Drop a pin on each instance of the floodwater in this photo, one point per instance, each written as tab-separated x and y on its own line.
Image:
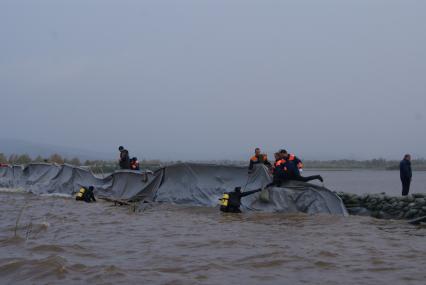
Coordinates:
370	181
61	241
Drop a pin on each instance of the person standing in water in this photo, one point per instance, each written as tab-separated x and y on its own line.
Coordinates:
405	174
86	194
231	201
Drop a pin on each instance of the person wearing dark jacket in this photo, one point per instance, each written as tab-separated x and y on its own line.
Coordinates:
405	174
124	160
86	194
231	201
259	158
277	163
291	157
289	170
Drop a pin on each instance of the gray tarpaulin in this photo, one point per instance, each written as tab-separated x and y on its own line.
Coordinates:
203	184
185	183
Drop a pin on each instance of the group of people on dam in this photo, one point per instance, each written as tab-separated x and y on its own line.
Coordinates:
286	166
125	161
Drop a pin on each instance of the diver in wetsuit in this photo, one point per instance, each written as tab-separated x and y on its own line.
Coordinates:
231	201
86	195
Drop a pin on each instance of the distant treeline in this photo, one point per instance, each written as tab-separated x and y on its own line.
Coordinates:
25	159
97	166
417	164
110	166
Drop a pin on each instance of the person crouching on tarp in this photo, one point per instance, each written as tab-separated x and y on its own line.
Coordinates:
231	201
85	194
134	163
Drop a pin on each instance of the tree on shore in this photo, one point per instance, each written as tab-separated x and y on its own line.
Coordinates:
75	161
3	158
56	158
13	158
39	158
19	159
23	159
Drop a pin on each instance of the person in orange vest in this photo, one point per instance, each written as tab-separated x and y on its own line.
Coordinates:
278	161
134	163
257	158
291	157
288	168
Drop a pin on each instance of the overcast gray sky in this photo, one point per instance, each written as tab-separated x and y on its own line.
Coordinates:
213	79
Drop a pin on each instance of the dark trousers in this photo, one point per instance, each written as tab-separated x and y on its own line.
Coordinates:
405	186
279	178
307	178
230	209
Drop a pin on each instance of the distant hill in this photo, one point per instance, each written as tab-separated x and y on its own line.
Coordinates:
13	146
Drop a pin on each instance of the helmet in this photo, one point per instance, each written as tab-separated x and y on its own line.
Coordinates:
120	148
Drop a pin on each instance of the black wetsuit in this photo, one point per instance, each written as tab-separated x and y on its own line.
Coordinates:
405	175
234	201
124	159
88	196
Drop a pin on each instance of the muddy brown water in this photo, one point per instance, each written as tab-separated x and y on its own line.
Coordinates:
61	241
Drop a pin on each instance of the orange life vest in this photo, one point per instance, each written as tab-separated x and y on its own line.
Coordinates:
256	159
279	162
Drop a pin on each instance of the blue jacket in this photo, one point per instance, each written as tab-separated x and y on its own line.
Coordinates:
405	169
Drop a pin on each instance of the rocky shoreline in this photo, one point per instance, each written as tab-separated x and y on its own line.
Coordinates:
383	206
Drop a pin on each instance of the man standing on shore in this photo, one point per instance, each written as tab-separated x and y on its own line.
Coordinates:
405	174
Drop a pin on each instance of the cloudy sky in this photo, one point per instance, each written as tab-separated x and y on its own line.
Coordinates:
214	79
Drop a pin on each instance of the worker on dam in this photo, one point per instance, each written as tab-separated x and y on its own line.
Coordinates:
277	163
124	160
134	163
291	157
287	168
259	158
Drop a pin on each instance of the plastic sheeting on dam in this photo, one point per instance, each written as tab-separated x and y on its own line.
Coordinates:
186	183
